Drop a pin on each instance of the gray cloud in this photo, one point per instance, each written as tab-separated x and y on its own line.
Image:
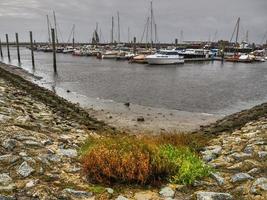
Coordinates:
197	19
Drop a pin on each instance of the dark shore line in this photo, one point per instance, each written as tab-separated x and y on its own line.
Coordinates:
58	104
69	110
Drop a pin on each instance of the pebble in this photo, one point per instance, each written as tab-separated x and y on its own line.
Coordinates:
241	177
9	144
218	178
121	198
25	169
213	196
258	185
167	192
71	153
78	193
5	179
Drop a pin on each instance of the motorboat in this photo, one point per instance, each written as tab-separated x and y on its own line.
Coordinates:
68	49
195	53
165	57
110	55
245	58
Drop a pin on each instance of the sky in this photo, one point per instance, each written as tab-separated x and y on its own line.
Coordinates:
197	19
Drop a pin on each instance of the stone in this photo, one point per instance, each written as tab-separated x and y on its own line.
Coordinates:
213	196
240	156
208	156
53	158
262	154
260	184
5	179
78	193
254	171
248	149
121	198
31	183
71	153
110	190
3	197
140	119
216	149
218	178
47	142
32	143
9	144
167	192
241	177
25	169
9	158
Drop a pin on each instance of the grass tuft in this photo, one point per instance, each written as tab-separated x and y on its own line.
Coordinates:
131	160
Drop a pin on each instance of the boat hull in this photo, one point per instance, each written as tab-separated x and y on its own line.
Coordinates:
164	61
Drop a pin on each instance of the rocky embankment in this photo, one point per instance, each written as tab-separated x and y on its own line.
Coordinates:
40	137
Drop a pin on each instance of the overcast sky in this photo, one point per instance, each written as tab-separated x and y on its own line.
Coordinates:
199	19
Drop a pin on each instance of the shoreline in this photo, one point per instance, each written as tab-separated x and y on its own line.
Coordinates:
125	118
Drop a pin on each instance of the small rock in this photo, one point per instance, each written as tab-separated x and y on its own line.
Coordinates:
218	178
5	179
259	185
241	177
140	119
47	142
249	149
23	154
213	196
71	153
167	192
25	169
208	156
9	158
32	143
262	154
31	183
127	104
9	144
2	197
216	149
240	156
121	198
110	190
254	171
147	195
77	193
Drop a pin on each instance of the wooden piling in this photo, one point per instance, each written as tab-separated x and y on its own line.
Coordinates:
54	50
17	44
1	52
32	53
134	45
7	46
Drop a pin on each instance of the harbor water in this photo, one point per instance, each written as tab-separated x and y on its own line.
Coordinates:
203	87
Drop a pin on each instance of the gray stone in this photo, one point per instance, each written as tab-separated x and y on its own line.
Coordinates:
9	158
5	179
25	169
77	193
31	183
218	178
216	149
47	142
208	156
259	185
121	198
71	153
167	192
240	156
213	196
262	154
241	177
3	197
32	143
249	149
254	171
53	158
9	144
110	190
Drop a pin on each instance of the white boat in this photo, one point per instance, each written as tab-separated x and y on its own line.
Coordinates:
195	53
110	55
68	49
165	57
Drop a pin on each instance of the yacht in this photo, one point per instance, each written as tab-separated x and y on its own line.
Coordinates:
195	53
68	49
165	57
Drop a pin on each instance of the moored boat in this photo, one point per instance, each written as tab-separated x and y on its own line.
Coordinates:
165	57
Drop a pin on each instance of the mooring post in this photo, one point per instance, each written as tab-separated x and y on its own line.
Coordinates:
54	50
17	43
1	52
7	46
32	53
134	45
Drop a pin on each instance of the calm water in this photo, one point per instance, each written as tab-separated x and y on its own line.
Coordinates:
209	87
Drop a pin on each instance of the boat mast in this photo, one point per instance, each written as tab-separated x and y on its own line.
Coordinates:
73	36
48	27
119	30
55	21
151	23
128	34
112	29
237	30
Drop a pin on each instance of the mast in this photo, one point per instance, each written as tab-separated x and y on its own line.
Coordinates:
128	34
237	30
119	31
48	28
147	30
55	21
247	36
73	36
112	29
151	23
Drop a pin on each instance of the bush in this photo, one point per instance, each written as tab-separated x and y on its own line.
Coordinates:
132	160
